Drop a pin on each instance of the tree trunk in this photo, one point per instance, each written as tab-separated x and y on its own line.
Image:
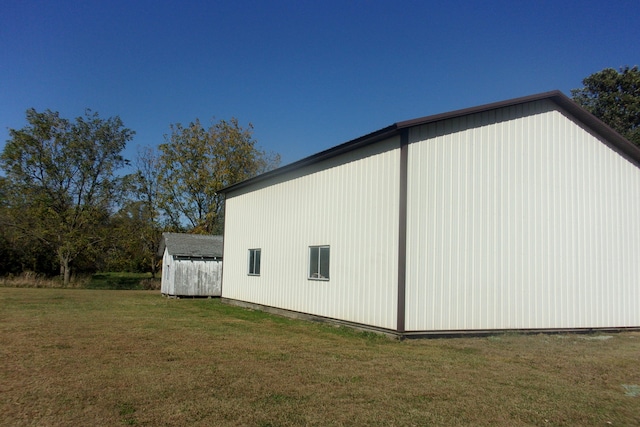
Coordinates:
65	270
67	276
154	267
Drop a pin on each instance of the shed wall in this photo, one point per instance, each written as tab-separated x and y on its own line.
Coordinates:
191	277
197	277
520	218
349	203
167	284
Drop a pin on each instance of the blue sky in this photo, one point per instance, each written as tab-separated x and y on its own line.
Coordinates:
308	74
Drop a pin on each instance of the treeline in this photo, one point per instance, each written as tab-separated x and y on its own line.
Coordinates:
66	207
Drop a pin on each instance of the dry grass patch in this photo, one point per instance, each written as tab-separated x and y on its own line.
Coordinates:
29	279
87	357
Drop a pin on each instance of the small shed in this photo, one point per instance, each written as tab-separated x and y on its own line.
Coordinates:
191	265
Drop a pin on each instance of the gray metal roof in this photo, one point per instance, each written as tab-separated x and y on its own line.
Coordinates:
191	245
611	137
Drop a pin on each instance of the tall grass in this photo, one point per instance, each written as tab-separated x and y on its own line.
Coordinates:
109	280
29	279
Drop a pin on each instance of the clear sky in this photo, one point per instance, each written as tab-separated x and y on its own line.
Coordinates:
309	75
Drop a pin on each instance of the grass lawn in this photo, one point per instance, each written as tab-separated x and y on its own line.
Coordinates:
74	357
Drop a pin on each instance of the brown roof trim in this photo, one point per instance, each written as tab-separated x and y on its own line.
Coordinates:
479	109
614	139
618	142
371	138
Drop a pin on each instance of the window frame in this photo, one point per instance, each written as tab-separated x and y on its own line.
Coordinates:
317	275
251	266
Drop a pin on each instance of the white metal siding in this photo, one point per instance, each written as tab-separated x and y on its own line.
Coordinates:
349	203
520	218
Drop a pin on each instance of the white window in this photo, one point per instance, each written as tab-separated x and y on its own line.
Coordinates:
254	262
319	262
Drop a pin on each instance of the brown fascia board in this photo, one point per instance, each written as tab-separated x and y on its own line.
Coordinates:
376	136
614	139
478	109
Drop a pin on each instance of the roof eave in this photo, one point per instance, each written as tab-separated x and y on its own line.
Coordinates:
478	109
624	146
370	138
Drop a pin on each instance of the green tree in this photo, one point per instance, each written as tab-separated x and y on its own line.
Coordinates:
137	224
134	246
614	97
62	180
195	163
19	251
146	185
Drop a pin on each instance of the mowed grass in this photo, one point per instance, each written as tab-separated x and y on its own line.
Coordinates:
75	357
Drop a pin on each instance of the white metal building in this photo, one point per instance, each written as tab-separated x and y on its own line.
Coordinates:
517	215
191	265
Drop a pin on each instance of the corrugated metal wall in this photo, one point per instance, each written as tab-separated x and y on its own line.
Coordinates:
519	218
349	203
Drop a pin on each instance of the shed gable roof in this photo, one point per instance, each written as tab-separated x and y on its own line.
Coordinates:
614	139
191	245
